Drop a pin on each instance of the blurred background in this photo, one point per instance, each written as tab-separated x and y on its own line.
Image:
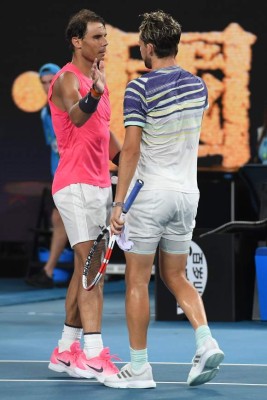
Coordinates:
229	39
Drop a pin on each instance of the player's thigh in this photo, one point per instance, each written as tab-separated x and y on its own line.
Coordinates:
172	265
138	268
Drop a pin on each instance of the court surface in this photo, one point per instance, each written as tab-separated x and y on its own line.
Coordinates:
31	323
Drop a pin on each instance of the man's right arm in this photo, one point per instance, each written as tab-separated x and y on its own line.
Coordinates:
67	97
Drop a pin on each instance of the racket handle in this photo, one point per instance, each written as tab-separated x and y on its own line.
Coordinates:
134	192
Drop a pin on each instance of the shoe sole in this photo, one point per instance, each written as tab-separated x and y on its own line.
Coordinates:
214	360
204	377
209	368
84	373
61	368
131	385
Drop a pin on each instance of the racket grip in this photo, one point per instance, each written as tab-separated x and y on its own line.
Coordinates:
134	192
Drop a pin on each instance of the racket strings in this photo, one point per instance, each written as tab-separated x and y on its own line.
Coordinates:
95	260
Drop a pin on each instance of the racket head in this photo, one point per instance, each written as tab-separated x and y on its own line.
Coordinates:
100	253
97	259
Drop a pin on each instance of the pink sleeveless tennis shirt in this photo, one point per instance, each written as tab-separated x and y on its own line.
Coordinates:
84	151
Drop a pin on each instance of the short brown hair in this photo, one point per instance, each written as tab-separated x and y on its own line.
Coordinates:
161	30
77	25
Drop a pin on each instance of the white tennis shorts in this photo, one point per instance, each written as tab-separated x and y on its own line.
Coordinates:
162	217
83	209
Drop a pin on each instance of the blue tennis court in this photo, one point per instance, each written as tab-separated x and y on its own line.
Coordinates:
32	321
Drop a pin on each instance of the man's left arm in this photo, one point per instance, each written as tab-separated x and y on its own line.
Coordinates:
114	149
128	162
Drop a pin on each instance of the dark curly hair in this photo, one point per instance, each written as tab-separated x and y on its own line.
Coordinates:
161	30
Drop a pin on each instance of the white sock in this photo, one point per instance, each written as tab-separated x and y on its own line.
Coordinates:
93	344
138	358
70	334
202	333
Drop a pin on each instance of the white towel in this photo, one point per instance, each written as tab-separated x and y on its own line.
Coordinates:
122	239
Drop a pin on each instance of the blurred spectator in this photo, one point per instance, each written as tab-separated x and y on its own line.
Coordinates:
262	139
44	278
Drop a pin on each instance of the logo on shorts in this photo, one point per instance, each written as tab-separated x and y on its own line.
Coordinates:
196	270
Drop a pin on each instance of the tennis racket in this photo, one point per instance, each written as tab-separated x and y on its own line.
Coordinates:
99	254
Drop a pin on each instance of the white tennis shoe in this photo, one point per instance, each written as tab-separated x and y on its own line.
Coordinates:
205	363
129	379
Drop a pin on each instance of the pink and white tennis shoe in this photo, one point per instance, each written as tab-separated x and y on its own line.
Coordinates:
66	360
97	367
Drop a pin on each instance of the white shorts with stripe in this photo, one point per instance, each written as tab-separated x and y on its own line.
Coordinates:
83	209
162	217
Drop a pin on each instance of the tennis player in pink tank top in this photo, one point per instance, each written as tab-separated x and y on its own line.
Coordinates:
80	108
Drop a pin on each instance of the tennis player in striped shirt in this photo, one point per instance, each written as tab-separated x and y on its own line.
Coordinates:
163	111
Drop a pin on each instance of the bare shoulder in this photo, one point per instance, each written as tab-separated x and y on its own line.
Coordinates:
66	90
67	80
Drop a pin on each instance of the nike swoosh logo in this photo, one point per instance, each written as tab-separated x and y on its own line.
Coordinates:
95	369
66	363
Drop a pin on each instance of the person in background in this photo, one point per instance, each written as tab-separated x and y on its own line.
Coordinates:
59	240
262	139
80	108
163	111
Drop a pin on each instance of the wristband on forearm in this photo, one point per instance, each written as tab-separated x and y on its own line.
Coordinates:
88	104
116	159
117	204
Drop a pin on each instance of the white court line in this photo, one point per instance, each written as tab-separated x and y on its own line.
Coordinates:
92	381
151	362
